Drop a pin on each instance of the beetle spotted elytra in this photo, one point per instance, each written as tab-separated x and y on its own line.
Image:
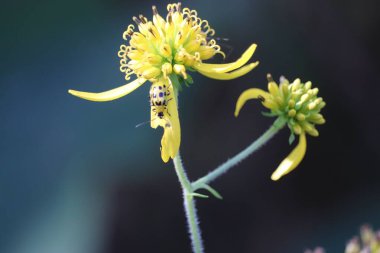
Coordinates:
158	96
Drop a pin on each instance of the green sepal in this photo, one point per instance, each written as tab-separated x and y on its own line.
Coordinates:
191	69
182	80
292	137
175	81
189	80
268	114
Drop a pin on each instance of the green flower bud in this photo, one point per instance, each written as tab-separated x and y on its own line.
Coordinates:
298	103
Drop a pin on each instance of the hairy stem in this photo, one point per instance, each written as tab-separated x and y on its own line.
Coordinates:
257	144
189	204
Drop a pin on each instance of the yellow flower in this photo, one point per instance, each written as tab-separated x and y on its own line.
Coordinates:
298	105
163	51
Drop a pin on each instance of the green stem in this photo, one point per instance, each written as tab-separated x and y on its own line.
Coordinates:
277	125
189	204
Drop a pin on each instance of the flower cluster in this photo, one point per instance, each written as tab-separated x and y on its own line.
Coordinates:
295	103
163	51
175	45
165	46
368	242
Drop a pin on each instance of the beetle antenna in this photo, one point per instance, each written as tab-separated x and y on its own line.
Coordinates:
144	123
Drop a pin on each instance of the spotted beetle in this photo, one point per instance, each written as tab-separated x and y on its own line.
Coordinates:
158	96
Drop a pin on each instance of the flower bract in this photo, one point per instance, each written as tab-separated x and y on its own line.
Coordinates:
163	51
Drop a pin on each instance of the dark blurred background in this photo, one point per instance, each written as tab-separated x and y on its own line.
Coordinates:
78	177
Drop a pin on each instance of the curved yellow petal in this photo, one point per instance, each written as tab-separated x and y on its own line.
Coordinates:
111	94
231	75
207	67
293	159
252	93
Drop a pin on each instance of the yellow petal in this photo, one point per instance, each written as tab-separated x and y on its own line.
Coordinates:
111	94
206	67
247	95
154	120
170	142
232	75
292	161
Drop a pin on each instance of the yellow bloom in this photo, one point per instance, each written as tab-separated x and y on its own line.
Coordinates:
162	52
298	104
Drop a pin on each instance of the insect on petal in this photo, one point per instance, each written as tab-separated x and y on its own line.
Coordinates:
168	120
252	93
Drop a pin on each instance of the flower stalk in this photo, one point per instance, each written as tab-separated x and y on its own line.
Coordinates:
253	147
189	204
